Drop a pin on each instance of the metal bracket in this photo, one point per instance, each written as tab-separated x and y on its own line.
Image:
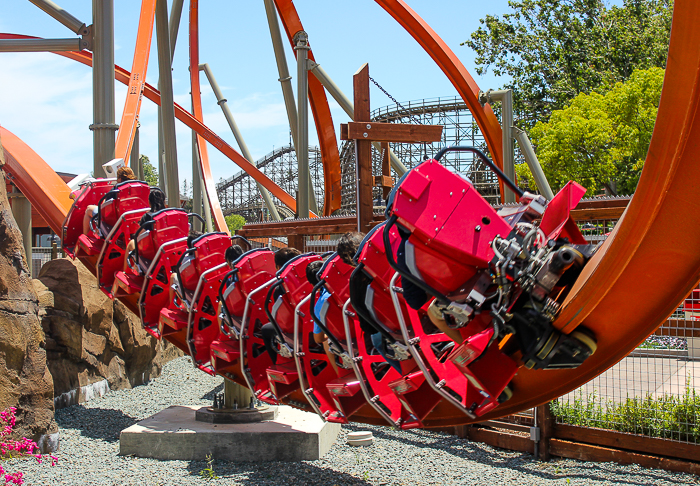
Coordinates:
86	38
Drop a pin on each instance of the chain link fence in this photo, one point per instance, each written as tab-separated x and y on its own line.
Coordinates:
654	390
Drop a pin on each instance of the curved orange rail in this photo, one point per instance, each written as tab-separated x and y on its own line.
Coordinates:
47	192
137	81
637	278
209	185
455	71
650	262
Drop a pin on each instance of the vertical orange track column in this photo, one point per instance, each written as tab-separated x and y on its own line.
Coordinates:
209	186
137	81
214	139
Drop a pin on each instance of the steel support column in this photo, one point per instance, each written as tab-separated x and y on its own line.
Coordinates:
505	96
135	161
206	208
104	126
301	40
286	82
233	392
221	101
22	212
172	184
533	163
173	28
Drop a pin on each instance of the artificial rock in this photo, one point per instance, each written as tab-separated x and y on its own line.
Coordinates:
93	343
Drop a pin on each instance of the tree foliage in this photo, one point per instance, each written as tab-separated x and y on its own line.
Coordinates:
600	140
149	171
555	49
234	222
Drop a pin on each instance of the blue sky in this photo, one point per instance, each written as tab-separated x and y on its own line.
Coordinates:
47	100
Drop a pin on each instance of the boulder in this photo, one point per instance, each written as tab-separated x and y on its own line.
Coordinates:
25	381
93	344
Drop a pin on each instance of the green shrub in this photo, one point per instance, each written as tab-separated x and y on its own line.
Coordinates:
667	416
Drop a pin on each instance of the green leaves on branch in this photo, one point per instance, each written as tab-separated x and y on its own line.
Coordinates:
601	140
555	49
234	222
150	174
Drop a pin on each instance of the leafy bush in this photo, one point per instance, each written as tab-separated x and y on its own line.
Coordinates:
667	416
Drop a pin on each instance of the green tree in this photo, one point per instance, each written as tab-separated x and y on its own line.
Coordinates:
149	171
600	140
234	222
555	49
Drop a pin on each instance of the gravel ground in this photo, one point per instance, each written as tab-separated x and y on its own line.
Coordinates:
90	447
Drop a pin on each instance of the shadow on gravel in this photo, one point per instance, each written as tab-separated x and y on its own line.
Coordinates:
276	473
524	463
96	423
210	395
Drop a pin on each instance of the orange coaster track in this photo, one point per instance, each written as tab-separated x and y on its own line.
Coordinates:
635	281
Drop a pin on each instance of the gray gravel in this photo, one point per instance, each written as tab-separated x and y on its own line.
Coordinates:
90	447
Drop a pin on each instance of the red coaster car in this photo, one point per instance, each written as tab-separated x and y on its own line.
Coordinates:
281	303
164	227
400	390
495	278
191	323
252	270
336	396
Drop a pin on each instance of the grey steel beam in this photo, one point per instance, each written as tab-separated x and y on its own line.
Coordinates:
196	184
533	163
284	78
172	183
173	28
104	126
135	160
286	82
174	24
505	96
349	109
41	45
62	16
221	101
301	42
22	212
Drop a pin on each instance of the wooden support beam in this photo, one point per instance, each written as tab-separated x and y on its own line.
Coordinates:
310	227
500	439
386	170
590	214
391	132
363	152
296	241
384	181
587	452
631	442
545	421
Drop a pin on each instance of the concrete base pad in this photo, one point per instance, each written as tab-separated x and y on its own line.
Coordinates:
174	434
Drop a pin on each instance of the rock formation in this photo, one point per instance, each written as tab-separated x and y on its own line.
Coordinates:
91	339
25	381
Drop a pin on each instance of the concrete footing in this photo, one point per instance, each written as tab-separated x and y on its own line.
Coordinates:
174	434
